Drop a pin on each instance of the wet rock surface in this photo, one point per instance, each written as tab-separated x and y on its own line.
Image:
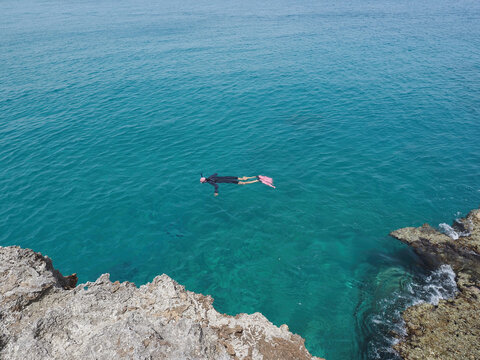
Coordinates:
450	330
43	315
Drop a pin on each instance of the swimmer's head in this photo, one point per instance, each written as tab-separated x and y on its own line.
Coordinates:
202	179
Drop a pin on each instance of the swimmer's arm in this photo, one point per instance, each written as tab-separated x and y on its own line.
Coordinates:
216	188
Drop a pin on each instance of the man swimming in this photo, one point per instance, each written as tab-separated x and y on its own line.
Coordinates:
215	179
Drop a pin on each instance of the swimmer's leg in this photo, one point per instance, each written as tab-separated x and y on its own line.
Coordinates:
246	177
247	182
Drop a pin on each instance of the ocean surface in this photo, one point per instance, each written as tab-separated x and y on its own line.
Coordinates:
365	113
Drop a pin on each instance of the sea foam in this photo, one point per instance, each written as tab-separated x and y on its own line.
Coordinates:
451	232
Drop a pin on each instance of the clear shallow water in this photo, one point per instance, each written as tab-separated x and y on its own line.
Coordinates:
366	114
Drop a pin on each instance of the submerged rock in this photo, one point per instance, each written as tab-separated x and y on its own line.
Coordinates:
451	329
44	316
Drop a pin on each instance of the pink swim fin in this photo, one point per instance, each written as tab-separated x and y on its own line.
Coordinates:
266	180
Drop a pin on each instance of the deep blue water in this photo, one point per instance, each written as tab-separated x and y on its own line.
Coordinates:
366	114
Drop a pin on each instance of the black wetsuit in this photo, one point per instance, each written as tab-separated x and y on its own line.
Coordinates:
214	180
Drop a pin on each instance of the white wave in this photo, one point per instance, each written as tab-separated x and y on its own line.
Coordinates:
452	233
440	284
449	231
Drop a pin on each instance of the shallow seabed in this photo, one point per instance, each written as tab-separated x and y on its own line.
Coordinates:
366	114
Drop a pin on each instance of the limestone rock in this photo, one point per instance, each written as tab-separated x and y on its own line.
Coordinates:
450	330
436	248
42	317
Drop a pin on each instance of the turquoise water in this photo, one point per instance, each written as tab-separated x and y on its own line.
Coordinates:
366	114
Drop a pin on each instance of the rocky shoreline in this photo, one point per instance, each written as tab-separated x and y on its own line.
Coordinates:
451	329
44	315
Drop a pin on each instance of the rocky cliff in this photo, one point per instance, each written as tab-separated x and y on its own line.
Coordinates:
44	315
450	330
